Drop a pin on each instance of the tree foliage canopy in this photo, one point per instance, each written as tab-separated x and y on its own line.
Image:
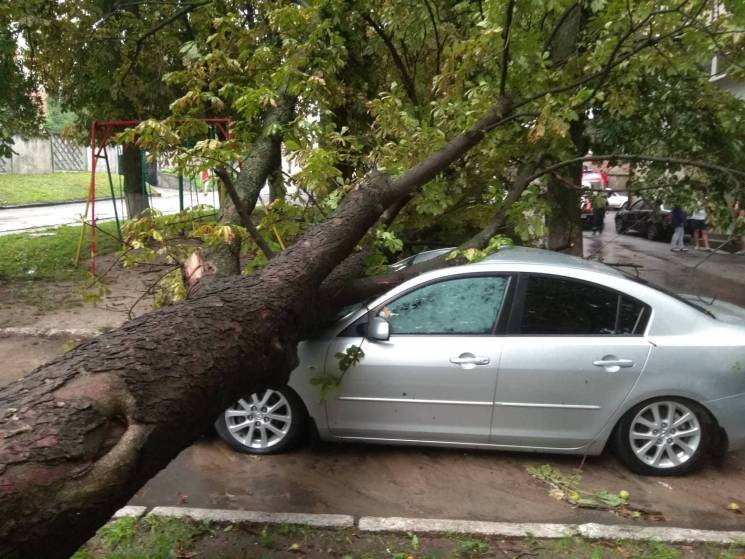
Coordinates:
19	100
375	85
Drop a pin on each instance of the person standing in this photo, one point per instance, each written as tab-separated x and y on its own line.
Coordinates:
599	205
700	234
740	226
679	221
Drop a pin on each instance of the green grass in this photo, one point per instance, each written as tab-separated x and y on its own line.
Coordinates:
49	255
52	187
164	538
151	538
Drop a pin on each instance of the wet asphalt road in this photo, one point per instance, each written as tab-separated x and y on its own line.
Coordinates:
442	483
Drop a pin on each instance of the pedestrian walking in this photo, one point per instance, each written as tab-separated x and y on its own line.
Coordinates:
698	227
599	205
740	226
679	221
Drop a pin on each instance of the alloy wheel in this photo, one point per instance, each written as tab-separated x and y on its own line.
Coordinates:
665	434
260	421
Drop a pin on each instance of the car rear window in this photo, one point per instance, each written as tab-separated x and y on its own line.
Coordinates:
561	306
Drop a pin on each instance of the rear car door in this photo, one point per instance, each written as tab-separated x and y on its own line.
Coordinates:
572	353
434	379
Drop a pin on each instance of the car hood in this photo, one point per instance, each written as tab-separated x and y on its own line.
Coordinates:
722	310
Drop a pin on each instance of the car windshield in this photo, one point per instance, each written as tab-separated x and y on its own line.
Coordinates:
672	294
349	309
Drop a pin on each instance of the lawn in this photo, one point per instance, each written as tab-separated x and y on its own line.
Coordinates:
49	254
17	190
156	537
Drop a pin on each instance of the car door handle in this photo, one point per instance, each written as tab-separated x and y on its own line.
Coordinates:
623	363
473	360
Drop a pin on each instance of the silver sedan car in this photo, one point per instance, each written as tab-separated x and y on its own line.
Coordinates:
527	350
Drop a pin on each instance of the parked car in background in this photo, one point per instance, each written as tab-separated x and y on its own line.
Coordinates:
526	350
642	217
616	200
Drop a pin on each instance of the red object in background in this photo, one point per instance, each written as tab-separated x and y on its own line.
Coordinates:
604	178
98	151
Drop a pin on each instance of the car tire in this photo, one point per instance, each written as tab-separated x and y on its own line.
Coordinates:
620	228
652	232
664	437
270	421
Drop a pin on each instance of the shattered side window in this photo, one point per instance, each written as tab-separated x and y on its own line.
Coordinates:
467	305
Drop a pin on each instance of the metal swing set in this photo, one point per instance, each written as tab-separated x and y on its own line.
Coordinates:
101	134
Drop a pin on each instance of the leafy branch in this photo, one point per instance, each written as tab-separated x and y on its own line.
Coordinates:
346	359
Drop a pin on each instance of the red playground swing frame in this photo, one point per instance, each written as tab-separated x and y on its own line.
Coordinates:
98	151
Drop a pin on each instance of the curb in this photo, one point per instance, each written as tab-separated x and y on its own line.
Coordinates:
49	204
505	529
218	515
82	333
590	531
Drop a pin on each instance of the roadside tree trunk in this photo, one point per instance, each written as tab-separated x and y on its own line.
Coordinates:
564	224
264	161
134	195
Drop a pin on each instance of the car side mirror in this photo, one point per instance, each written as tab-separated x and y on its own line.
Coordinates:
378	329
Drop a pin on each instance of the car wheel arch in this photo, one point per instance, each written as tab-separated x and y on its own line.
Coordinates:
631	404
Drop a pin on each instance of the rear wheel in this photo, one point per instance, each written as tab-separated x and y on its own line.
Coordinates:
664	437
620	228
266	422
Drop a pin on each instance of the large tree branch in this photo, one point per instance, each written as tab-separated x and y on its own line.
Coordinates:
604	71
178	14
635	28
397	61
438	45
506	37
637	157
366	287
243	212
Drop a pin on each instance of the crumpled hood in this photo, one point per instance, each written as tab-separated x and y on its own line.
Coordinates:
722	310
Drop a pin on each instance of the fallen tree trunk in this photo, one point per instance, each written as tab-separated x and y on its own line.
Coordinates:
80	435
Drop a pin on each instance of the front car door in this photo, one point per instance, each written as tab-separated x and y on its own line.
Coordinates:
434	379
572	353
639	216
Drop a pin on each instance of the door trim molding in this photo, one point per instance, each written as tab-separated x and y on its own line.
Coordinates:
560	406
413	401
469	403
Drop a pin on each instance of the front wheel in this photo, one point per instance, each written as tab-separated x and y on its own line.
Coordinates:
664	437
266	422
652	232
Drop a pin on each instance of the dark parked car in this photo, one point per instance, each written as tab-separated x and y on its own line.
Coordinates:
653	221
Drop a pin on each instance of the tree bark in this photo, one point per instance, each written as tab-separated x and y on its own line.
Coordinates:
564	224
134	191
264	160
80	435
